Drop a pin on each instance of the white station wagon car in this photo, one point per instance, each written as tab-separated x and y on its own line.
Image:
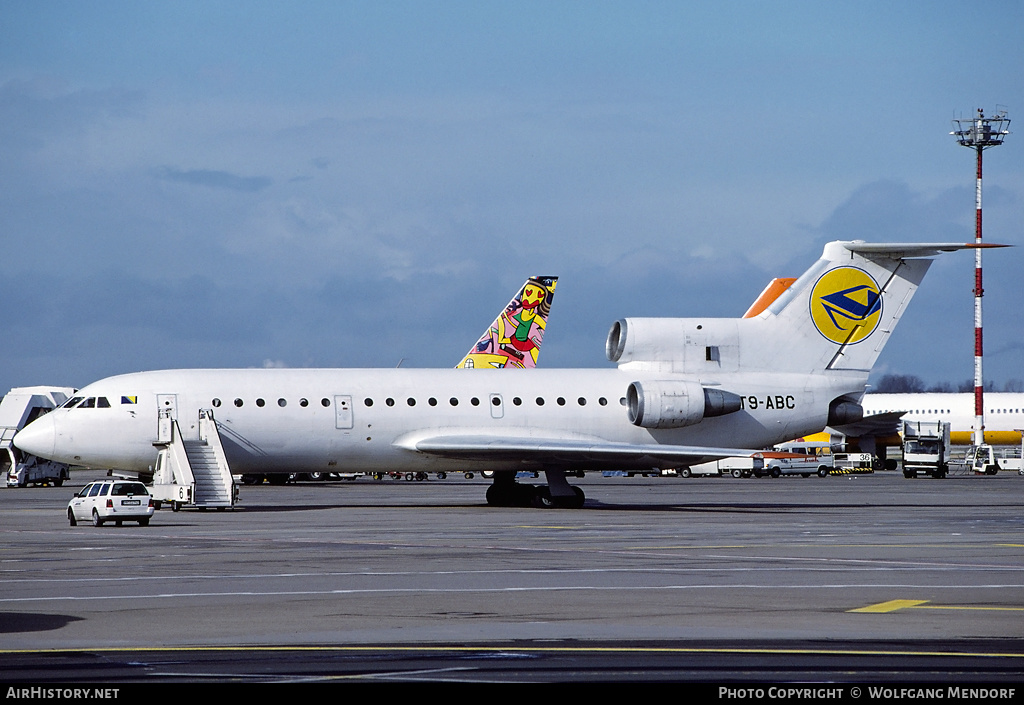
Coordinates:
111	500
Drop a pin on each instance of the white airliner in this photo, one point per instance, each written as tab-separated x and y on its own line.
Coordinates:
685	391
1004	413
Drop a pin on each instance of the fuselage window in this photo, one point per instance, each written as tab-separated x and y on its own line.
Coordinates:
561	401
368	401
216	402
260	403
602	401
496	401
540	401
517	401
410	401
325	402
303	402
238	402
432	401
389	401
581	401
282	402
453	401
474	401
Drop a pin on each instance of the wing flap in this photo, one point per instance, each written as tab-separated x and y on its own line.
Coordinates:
569	452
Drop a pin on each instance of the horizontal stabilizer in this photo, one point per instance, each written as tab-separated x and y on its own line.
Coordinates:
886	424
901	250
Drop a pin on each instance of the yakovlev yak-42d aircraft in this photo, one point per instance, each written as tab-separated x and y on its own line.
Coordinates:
685	391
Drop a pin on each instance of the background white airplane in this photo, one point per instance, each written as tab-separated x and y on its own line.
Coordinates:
1004	413
685	391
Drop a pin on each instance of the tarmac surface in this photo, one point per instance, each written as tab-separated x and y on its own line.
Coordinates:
845	578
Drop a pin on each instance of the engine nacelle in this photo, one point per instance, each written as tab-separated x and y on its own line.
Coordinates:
676	403
844	411
692	345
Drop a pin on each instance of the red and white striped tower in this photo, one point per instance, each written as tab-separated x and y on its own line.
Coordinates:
979	133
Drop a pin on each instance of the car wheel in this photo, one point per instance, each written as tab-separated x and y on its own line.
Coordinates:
685	472
144	521
71	518
822	471
776	473
96	521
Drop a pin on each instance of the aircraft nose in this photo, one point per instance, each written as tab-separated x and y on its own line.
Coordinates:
37	438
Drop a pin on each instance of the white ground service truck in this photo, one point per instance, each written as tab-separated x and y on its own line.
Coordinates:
20	407
736	467
925	448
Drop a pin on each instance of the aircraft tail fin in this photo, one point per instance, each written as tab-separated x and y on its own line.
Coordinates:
837	316
513	339
841	312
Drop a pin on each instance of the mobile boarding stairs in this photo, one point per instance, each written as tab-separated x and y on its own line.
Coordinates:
192	472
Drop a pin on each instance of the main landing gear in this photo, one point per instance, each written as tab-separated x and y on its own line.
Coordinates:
506	492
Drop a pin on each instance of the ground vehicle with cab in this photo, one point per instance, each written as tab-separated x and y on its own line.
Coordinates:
111	500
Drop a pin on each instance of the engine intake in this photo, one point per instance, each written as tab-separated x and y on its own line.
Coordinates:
674	404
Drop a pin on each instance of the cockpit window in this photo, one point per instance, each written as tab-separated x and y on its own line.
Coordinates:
102	403
71	403
89	403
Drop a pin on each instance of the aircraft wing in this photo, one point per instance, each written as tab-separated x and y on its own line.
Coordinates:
887	424
560	451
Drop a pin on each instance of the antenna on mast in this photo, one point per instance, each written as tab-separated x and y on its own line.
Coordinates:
979	133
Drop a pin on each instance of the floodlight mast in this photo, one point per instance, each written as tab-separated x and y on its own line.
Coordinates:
979	133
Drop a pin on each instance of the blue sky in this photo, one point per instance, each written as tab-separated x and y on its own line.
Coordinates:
242	184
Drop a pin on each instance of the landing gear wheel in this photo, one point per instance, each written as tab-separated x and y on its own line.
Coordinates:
510	494
543	499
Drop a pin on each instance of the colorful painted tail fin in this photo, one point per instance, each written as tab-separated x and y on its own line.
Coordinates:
514	338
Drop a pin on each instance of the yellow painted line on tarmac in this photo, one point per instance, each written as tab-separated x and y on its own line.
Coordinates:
512	648
969	607
890	606
895	605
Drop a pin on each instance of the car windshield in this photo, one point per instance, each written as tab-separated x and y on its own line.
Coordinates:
125	488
